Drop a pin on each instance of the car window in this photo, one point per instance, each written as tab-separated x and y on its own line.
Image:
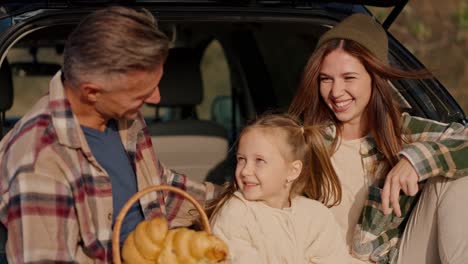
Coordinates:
215	77
217	100
31	69
285	51
34	60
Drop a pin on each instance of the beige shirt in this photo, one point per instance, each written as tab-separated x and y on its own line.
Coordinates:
347	162
256	233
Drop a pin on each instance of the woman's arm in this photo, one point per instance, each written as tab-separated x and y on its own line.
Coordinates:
436	149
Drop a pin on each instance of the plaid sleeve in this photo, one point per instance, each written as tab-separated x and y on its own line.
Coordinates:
436	148
181	212
376	236
40	218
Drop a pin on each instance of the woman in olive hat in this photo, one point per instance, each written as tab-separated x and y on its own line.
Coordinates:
383	156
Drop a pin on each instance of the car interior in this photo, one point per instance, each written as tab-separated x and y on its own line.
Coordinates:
222	70
183	141
217	76
205	91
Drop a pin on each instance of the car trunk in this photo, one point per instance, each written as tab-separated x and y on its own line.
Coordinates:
427	98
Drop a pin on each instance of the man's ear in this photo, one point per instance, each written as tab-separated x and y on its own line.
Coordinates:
296	168
90	92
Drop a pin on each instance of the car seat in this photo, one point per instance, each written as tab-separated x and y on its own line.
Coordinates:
185	143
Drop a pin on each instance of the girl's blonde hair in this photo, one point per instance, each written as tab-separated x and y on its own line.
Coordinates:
317	179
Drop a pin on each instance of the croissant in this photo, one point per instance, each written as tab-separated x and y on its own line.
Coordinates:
152	242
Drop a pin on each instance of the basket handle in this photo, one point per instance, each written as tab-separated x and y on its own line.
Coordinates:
135	198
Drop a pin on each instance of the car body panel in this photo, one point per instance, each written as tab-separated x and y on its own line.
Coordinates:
12	7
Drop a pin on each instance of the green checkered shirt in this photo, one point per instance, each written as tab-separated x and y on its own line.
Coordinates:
437	149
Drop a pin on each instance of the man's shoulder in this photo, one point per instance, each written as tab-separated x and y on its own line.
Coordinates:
31	141
31	133
35	122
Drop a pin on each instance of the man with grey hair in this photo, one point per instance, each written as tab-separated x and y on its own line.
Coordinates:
70	164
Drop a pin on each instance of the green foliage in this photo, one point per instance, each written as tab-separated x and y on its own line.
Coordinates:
379	12
461	15
419	30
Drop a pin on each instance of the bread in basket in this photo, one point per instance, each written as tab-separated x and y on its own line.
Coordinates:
153	242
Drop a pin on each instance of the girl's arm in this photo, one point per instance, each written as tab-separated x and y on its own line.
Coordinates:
231	225
327	246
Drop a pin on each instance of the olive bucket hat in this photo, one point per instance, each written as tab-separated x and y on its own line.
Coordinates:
362	29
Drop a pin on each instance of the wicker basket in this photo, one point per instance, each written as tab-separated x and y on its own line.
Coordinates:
120	217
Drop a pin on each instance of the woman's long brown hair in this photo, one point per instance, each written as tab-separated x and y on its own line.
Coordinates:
383	112
317	179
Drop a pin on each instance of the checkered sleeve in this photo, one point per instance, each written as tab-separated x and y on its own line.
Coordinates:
40	218
180	212
376	236
436	148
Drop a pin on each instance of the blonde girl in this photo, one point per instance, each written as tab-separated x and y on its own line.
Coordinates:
273	211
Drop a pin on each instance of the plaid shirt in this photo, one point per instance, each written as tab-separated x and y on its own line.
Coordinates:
437	149
56	200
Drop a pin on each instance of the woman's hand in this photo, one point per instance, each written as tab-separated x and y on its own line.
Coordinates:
401	177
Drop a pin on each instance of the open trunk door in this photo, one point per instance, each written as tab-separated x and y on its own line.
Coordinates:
12	7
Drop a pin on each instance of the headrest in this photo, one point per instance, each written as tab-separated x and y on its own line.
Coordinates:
181	84
6	87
